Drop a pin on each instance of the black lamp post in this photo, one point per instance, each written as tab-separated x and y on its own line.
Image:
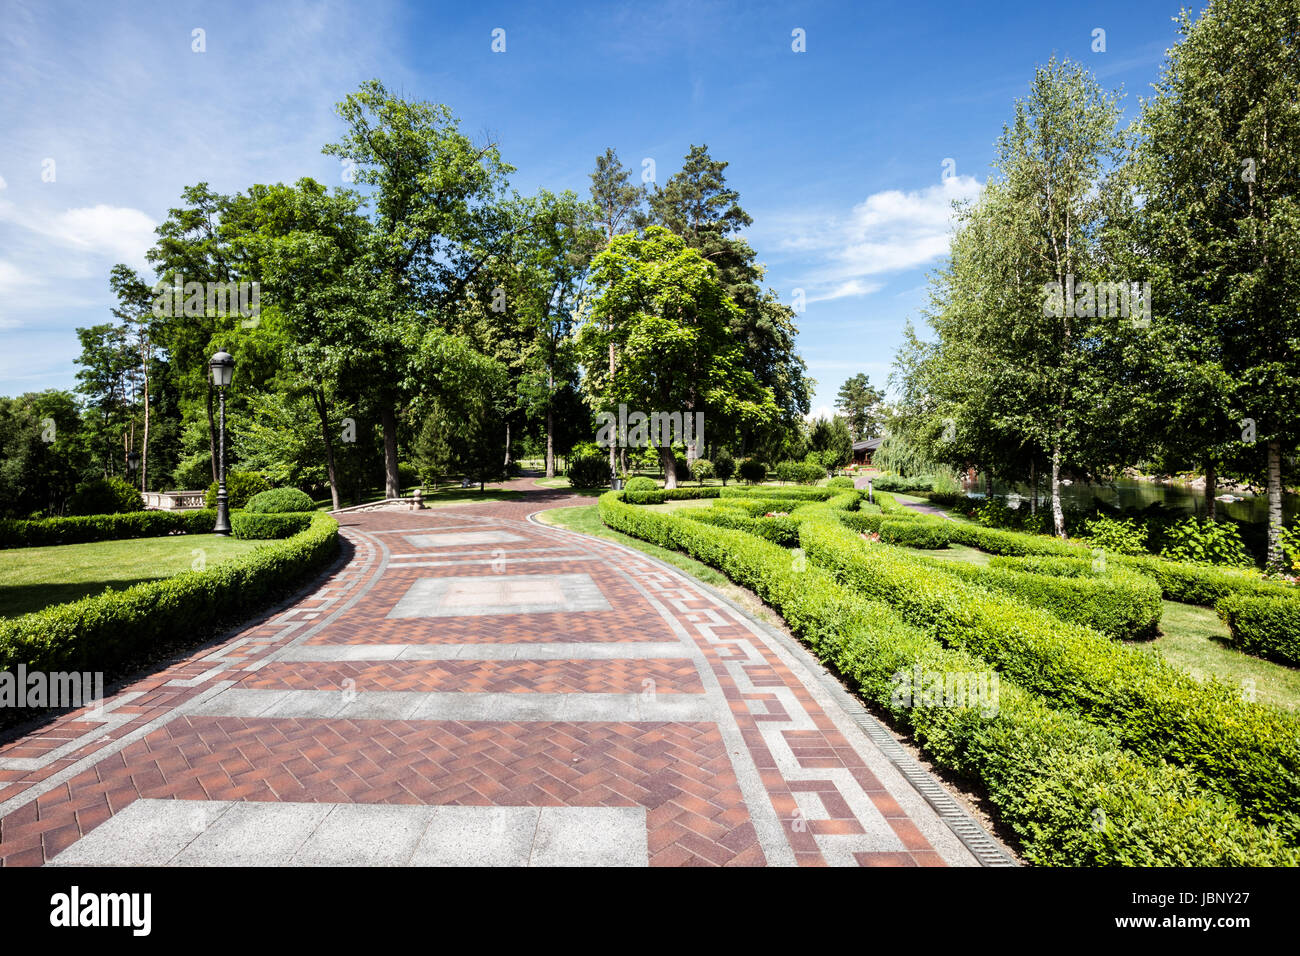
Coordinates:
222	367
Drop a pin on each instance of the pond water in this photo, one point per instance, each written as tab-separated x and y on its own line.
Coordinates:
1129	493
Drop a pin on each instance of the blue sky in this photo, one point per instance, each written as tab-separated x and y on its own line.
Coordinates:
837	152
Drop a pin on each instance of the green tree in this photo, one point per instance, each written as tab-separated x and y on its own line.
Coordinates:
1218	169
665	308
858	402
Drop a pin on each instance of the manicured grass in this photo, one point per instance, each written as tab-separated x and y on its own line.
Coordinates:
586	519
34	578
959	552
1193	638
559	481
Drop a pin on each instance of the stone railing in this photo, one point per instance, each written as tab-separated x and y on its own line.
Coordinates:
174	500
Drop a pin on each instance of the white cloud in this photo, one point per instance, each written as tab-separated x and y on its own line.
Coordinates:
889	231
3	184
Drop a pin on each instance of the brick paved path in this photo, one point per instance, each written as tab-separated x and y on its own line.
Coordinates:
473	687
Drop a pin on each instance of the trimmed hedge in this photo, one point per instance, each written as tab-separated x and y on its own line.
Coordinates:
1117	602
1205	584
251	524
46	532
660	495
1246	751
914	534
103	631
641	483
782	531
280	501
1266	625
1050	774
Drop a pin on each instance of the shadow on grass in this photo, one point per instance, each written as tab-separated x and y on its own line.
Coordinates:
19	599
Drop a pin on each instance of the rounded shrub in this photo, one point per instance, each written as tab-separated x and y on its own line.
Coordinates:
588	471
641	483
753	471
280	501
105	496
701	469
240	486
841	482
724	466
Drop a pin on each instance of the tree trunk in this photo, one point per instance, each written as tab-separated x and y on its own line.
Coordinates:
550	443
507	462
1058	516
1275	560
1211	486
1033	487
392	481
318	396
670	467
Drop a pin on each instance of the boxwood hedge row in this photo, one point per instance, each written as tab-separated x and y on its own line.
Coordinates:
100	633
1065	786
1264	624
1246	751
46	532
252	524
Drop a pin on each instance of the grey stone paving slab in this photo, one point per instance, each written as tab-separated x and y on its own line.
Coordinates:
252	702
456	539
235	833
357	834
591	836
478	836
255	834
530	651
145	833
500	594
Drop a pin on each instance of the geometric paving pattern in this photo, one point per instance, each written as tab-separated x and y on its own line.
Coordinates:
470	687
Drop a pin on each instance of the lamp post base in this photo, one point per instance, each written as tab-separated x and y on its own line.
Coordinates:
223	516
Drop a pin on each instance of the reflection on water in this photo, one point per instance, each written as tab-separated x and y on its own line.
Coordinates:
1128	493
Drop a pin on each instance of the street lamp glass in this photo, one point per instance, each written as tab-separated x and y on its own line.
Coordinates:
222	367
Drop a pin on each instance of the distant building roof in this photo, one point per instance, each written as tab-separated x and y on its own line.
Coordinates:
871	444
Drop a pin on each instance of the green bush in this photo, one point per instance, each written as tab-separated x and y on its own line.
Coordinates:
45	532
279	501
240	487
1118	536
753	471
408	476
1205	584
724	466
641	483
843	481
1268	626
1201	541
1245	751
105	631
588	471
105	496
1050	774
914	534
251	524
701	469
1117	601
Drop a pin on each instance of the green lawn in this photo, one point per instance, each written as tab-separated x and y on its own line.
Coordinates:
33	578
958	552
586	519
1192	638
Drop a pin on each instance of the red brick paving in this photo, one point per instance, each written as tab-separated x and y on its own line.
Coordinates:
681	772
